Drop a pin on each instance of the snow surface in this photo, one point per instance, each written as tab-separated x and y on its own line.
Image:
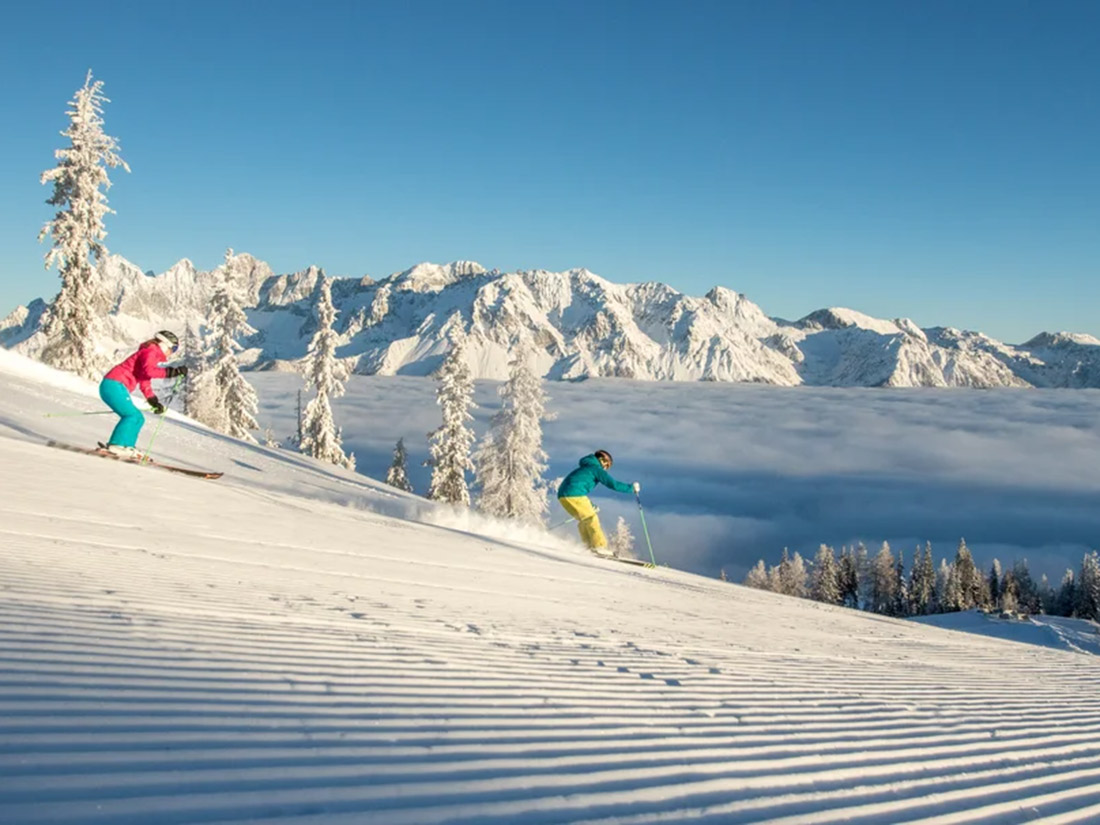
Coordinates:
1078	635
298	644
732	473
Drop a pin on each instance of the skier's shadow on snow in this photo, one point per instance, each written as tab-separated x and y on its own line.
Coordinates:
308	465
15	426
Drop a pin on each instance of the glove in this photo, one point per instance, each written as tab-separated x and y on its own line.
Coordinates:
155	405
172	372
637	487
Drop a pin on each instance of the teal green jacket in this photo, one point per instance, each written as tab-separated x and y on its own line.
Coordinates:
581	481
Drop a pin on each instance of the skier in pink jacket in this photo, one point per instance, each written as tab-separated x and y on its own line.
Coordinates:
137	371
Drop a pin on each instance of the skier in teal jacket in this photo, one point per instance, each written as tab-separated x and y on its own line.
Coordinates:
573	496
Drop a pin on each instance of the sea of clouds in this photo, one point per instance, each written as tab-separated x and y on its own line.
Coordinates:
732	473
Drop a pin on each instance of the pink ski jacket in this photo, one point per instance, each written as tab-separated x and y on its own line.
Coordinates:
140	368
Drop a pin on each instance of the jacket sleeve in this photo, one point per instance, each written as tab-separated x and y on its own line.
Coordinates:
606	480
147	367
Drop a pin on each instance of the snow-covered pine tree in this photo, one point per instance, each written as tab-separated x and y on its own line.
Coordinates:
825	578
779	573
195	388
996	576
510	461
794	577
1027	592
1088	588
1010	593
947	588
622	540
449	451
232	400
757	576
1066	601
72	326
922	582
398	473
901	597
1047	596
849	578
866	579
326	374
203	398
884	586
971	582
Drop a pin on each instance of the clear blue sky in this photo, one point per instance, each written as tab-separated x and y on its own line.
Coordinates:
938	160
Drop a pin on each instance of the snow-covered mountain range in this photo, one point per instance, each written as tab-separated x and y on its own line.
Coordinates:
581	325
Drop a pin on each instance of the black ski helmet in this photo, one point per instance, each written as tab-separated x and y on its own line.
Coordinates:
604	454
168	338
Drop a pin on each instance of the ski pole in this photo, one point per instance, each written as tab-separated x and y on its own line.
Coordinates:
153	437
563	523
560	524
645	529
76	414
70	415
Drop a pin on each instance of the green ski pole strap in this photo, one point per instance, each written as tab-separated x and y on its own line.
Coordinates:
645	530
160	423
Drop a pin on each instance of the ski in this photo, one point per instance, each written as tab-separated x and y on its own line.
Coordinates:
635	562
102	453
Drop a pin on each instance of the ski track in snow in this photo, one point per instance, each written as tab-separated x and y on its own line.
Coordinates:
181	651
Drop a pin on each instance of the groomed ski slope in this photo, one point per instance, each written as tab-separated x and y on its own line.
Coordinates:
295	644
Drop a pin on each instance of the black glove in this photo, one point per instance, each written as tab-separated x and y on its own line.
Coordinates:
172	372
155	405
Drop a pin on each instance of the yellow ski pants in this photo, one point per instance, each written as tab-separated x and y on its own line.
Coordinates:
580	508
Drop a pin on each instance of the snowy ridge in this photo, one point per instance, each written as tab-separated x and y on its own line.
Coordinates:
283	646
582	326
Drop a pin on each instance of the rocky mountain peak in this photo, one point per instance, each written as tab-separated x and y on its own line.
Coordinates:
581	324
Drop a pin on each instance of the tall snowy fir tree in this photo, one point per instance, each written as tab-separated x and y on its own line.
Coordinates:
884	586
996	577
326	374
757	576
1048	598
790	577
848	578
193	355
901	595
922	583
1010	593
777	571
866	579
825	578
969	582
449	451
1065	602
510	461
1027	591
230	404
72	326
947	588
398	473
1088	588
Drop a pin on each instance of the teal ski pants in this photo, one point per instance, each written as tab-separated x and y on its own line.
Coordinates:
131	419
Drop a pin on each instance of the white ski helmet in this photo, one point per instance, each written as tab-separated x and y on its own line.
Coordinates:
167	337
